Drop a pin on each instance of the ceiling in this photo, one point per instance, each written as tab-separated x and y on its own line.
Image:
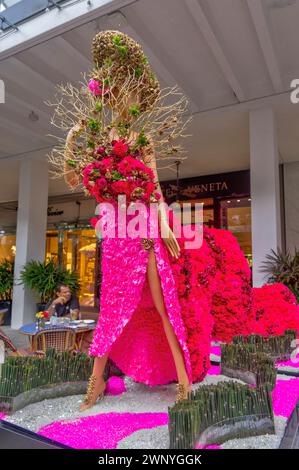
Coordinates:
228	57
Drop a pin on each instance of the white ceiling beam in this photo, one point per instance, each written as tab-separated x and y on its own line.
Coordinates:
17	110
15	70
262	27
271	100
215	47
23	132
60	56
118	20
72	52
56	22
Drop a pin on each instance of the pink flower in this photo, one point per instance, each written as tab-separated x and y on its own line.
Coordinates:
101	150
106	164
126	166
95	88
101	183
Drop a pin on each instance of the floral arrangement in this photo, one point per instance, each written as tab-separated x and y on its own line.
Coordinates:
42	315
120	95
41	318
275	309
118	169
231	301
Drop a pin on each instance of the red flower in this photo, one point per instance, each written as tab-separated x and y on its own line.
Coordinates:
120	187
120	148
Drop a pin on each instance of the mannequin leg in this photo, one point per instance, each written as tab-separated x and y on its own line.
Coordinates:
99	383
157	295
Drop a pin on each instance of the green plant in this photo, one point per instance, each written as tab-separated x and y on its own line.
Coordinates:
44	278
216	413
283	267
6	280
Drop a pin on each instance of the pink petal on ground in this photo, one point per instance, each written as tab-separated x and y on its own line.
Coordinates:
289	363
2	415
102	431
115	385
215	350
212	446
214	370
285	396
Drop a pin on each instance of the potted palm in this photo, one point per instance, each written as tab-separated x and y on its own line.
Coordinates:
284	268
6	286
45	277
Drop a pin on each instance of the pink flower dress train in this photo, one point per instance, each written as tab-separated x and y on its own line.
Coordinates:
129	327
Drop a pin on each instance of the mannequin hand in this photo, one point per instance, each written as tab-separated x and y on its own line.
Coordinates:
169	239
72	179
75	130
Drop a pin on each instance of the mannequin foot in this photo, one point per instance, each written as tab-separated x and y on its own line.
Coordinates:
95	391
183	391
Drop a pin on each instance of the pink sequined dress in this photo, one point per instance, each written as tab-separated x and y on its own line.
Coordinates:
129	327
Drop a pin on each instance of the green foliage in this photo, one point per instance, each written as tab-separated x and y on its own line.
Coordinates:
283	267
245	358
138	72
141	140
117	175
6	280
98	106
108	62
90	144
93	125
116	40
134	110
216	405
123	50
71	162
257	354
278	347
44	278
20	374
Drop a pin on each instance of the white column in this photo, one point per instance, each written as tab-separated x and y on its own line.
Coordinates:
31	233
291	189
265	189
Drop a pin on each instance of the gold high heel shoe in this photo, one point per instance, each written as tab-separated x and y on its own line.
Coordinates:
183	392
91	398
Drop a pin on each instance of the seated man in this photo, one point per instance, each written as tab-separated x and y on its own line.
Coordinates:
66	304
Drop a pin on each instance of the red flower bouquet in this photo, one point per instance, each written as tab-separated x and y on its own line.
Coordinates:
119	169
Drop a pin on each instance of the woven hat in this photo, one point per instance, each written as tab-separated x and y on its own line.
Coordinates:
117	55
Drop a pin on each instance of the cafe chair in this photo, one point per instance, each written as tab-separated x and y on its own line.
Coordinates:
12	350
61	339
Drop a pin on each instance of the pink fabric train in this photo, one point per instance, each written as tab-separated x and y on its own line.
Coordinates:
207	292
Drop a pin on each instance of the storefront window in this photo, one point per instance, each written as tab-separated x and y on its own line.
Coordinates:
76	250
7	246
207	208
235	215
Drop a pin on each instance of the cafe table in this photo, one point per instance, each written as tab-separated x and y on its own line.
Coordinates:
81	327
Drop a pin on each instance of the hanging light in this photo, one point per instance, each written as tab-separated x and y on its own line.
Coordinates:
178	162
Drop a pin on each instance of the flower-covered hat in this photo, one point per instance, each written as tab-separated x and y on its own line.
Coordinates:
117	56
